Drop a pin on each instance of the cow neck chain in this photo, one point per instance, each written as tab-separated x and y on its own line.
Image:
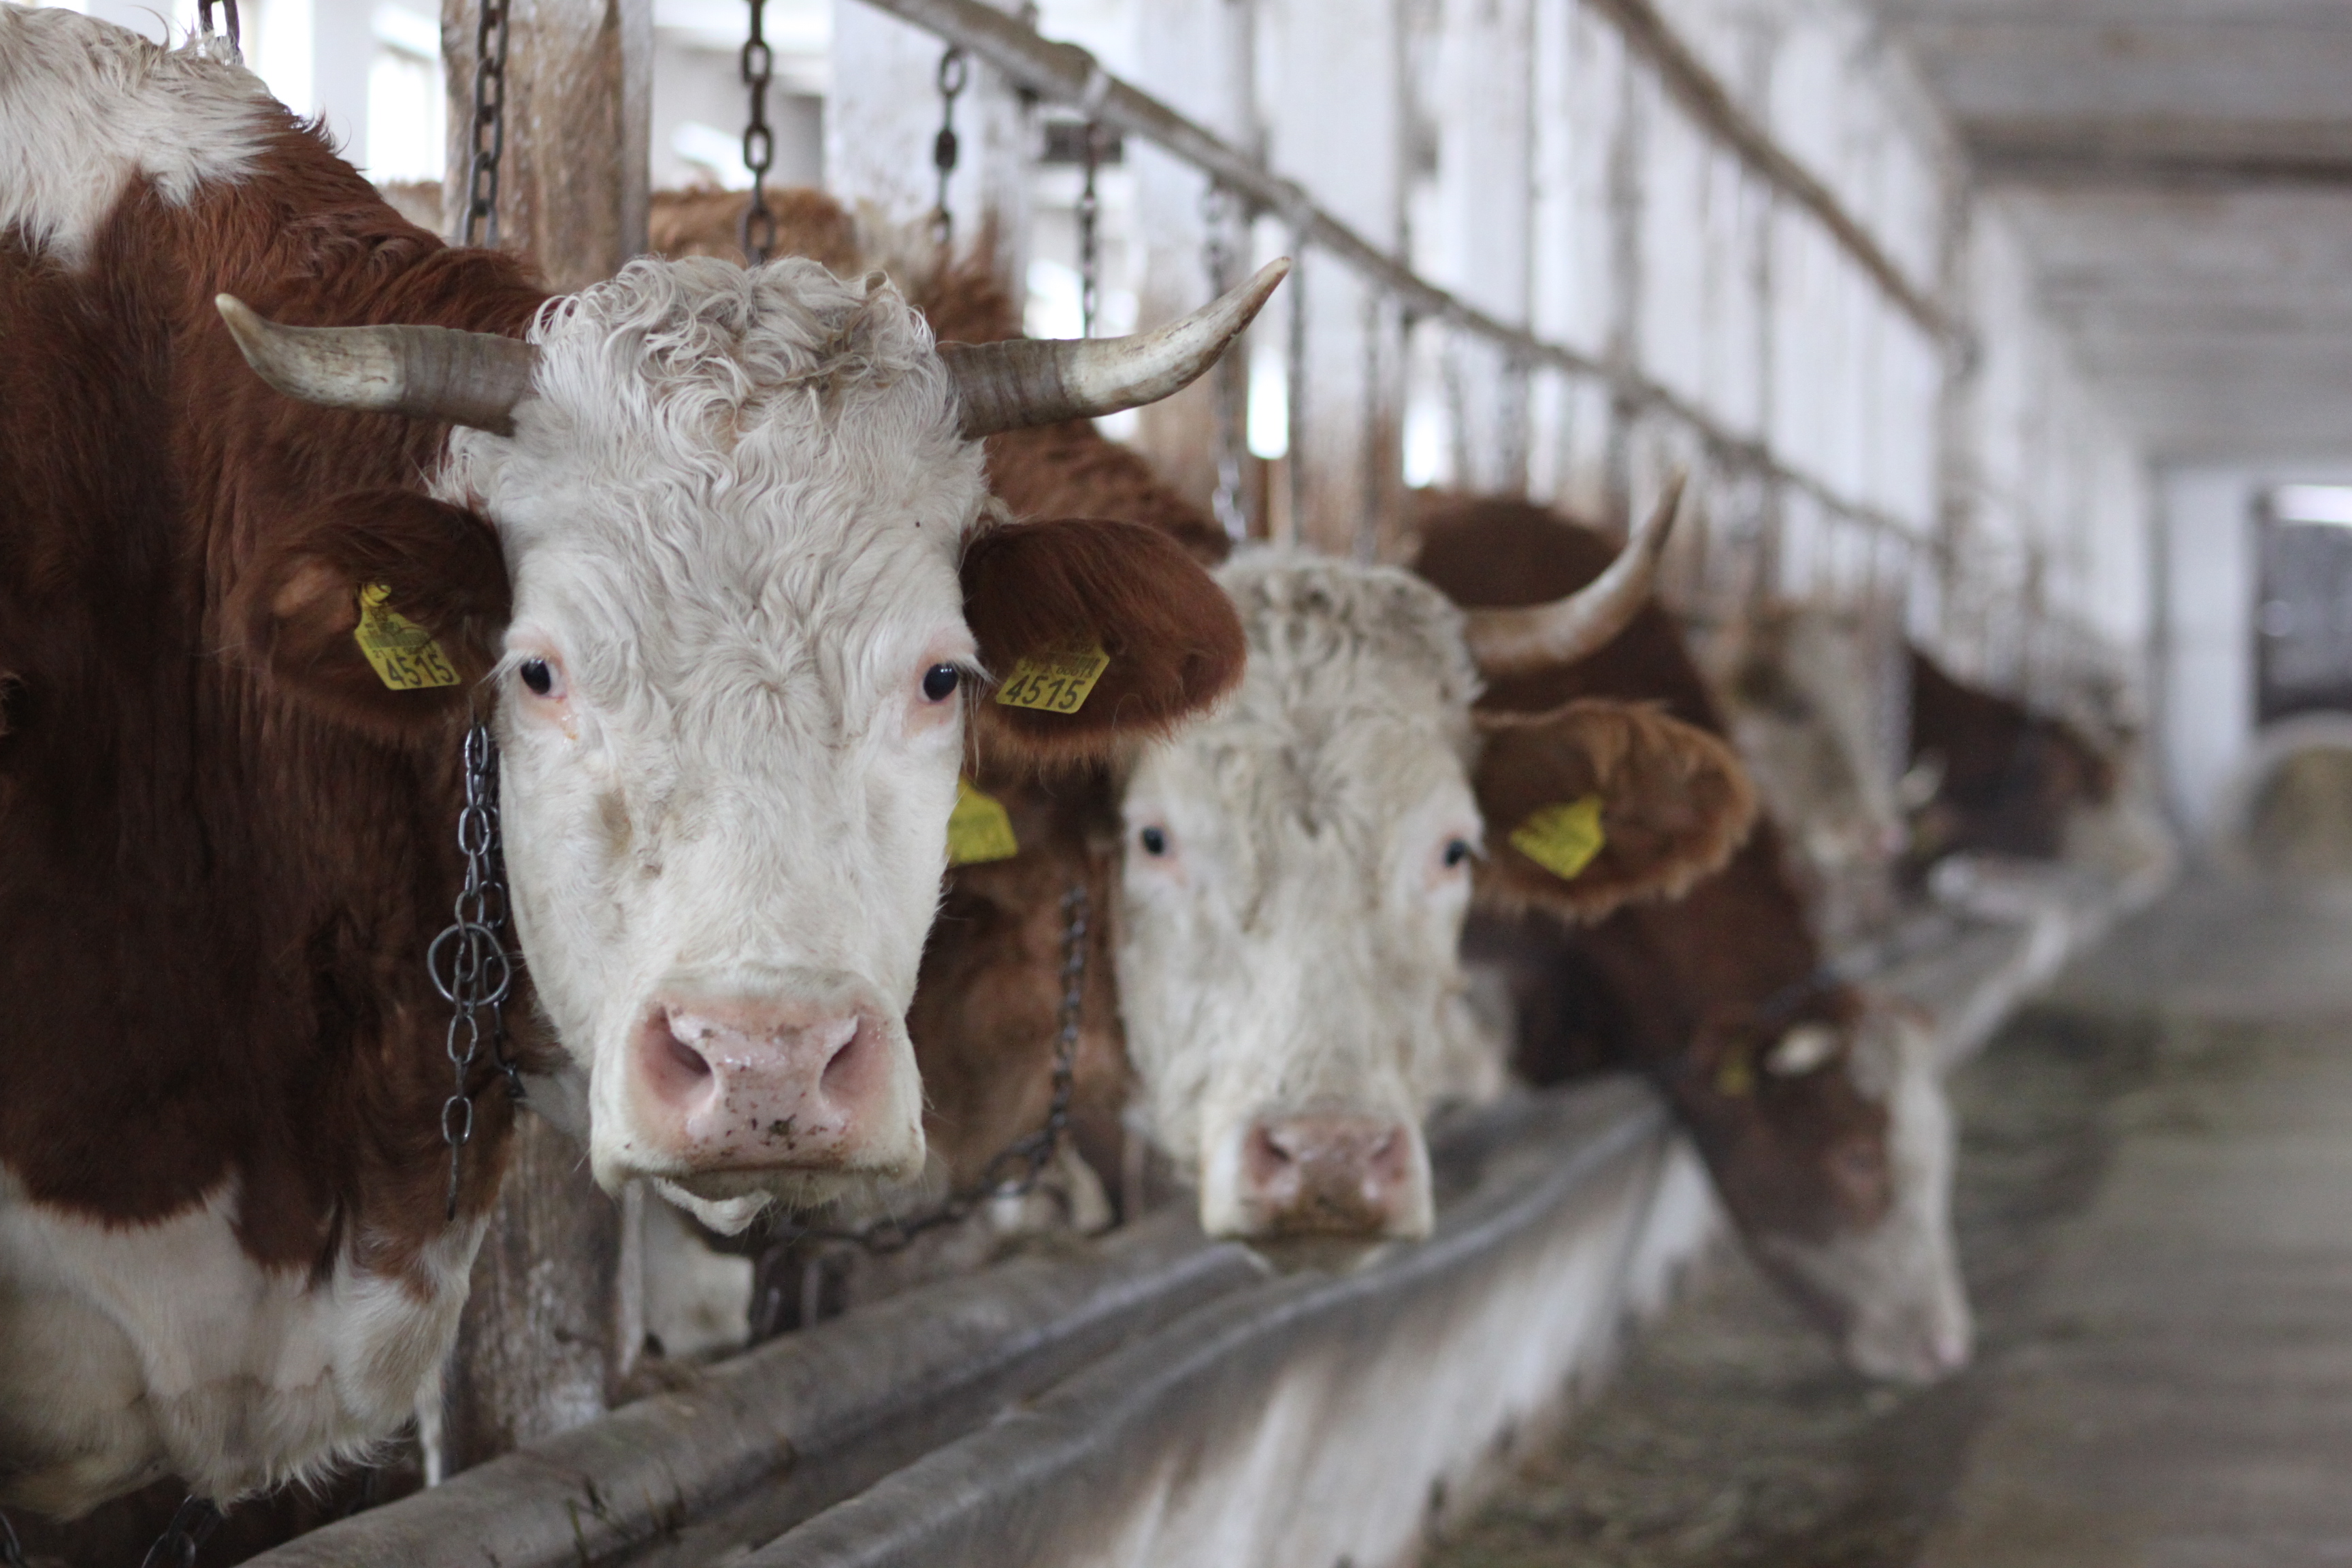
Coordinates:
488	141
1089	212
467	961
1014	1172
757	231
191	1526
955	71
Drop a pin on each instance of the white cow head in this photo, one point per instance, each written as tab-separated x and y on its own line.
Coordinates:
1296	870
752	582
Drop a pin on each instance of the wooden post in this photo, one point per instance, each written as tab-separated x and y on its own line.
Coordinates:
574	182
541	1347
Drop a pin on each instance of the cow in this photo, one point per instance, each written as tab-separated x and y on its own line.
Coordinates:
1299	862
1815	1105
296	493
1288	1110
1803	693
1996	777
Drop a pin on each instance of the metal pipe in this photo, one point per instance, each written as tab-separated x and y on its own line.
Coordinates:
1067	73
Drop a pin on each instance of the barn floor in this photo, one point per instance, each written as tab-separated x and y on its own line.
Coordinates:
2155	1215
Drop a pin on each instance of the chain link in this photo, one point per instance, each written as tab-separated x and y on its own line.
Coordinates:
12	1553
758	229
190	1527
488	142
955	73
1227	376
469	959
237	48
1089	238
1015	1170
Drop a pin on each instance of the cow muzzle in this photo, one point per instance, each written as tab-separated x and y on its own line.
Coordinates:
753	1083
1329	1172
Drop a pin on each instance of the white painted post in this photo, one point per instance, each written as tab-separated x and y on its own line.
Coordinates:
1331	85
1484	246
1196	56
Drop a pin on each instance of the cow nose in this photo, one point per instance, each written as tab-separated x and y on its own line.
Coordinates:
751	1083
1331	1174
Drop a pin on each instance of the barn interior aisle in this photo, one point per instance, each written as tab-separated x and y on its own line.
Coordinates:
2151	1215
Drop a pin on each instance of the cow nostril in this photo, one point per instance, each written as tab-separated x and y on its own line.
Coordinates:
688	1061
843	1068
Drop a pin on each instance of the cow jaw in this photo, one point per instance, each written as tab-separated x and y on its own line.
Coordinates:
1892	1290
1290	914
726	780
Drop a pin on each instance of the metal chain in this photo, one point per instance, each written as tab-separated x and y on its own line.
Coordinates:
758	229
1089	242
1226	381
469	959
955	73
190	1527
488	140
12	1552
237	48
1015	1170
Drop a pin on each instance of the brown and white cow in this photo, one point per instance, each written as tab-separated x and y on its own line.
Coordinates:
1817	1107
711	551
1999	778
1299	862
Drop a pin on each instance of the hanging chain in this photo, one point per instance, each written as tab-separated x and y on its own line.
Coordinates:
1014	1172
469	959
236	50
1226	378
189	1528
1089	242
488	140
955	72
758	229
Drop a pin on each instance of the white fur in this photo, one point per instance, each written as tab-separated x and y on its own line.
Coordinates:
86	108
1897	1286
733	510
129	1354
1297	946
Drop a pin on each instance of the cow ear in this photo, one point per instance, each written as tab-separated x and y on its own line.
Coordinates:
1043	598
1597	803
438	602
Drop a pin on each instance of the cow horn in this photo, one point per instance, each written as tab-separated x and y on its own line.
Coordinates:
1536	637
425	372
1028	381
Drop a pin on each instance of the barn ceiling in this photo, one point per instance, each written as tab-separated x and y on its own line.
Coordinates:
2181	171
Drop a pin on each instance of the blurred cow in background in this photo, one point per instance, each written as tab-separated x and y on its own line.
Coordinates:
1816	1107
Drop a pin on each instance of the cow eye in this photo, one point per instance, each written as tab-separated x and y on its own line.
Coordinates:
1154	840
536	675
940	681
1457	851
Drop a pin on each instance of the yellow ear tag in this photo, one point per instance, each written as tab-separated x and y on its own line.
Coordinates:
403	654
1736	1078
1562	839
979	831
1054	682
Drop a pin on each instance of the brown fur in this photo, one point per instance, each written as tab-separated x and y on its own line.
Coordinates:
296	606
1040	588
1675	804
220	893
1689	992
2010	775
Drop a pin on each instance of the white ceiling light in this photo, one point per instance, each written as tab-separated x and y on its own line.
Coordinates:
2327	504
